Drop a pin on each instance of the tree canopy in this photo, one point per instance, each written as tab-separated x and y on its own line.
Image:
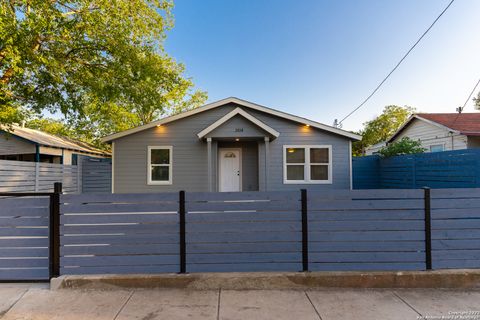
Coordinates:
382	127
403	146
100	63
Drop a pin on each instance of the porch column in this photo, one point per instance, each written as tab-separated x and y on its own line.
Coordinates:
267	161
209	163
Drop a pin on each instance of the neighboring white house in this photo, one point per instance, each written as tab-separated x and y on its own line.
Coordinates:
440	131
374	148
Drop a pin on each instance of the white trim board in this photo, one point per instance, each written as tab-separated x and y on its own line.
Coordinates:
238	101
233	113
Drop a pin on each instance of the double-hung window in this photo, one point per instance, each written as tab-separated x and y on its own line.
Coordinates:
159	165
304	164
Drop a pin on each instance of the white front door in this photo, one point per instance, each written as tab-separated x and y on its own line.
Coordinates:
229	170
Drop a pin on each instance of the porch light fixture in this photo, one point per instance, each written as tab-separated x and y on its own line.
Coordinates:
237	139
307	125
159	125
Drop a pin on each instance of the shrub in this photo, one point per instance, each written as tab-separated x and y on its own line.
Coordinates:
403	146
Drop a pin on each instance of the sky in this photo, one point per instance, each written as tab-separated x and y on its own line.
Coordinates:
321	58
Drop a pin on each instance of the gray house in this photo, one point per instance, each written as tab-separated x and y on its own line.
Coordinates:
231	145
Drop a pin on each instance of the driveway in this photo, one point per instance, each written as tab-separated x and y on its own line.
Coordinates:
38	302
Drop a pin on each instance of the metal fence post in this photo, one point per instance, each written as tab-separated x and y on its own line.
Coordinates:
54	256
183	252
304	230
428	229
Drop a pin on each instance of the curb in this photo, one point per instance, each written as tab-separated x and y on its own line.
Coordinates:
460	279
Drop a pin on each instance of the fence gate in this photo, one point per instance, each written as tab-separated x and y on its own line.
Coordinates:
96	175
24	236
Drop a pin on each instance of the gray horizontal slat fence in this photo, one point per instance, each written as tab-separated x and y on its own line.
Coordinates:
96	175
366	230
437	170
23	176
50	173
348	230
366	172
24	238
243	231
17	176
113	233
455	228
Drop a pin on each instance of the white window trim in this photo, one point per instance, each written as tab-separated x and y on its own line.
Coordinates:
307	165
149	164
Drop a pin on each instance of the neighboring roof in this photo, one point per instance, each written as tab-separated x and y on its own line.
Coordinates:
49	140
233	113
465	123
240	102
462	123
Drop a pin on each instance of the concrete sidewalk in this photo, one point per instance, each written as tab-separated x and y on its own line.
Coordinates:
38	302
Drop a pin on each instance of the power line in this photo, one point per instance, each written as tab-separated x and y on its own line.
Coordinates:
470	95
460	109
398	64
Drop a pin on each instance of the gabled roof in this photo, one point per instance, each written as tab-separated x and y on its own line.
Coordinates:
240	102
233	113
461	123
49	140
465	123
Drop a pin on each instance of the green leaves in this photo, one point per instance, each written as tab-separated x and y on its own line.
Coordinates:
403	146
382	127
88	59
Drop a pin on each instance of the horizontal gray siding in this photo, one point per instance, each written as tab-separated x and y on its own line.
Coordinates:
294	133
228	129
190	154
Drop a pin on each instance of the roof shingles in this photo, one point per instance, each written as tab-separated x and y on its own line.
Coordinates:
465	123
